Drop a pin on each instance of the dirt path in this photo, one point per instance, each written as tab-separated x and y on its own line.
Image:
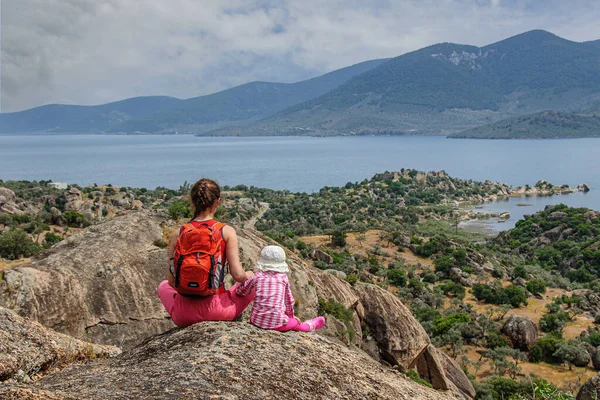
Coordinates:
252	221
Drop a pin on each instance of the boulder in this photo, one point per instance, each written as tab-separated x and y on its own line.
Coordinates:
444	373
583	187
400	337
97	285
231	361
28	348
7	196
523	333
590	390
329	286
8	200
320	255
73	205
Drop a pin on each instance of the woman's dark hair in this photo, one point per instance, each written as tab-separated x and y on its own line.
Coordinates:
204	194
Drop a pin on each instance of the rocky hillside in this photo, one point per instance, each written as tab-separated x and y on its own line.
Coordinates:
99	285
544	125
229	361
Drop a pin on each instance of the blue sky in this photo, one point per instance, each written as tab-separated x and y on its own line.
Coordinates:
91	52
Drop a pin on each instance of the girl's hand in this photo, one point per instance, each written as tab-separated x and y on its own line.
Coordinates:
249	274
298	319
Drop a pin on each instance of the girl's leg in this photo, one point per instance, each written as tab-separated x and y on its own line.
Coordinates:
292	325
306	326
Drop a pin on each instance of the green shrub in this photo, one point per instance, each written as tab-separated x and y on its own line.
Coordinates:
51	238
397	277
495	340
338	311
536	286
443	325
352	279
545	348
453	289
15	244
554	321
181	209
414	376
74	219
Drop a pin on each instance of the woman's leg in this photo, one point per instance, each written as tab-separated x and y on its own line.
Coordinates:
226	306
168	297
185	311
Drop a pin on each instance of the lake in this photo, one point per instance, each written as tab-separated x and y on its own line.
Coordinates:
301	163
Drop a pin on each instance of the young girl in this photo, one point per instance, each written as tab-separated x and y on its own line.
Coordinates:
273	302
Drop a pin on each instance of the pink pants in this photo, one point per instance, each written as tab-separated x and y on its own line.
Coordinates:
185	311
294	325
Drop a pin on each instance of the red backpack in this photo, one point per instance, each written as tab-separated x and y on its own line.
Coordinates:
198	265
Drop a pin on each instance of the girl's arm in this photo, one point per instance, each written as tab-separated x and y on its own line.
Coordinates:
233	256
172	244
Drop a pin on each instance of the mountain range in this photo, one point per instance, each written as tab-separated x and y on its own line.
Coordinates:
441	89
158	114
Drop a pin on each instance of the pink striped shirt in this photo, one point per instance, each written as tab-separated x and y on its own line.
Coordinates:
273	302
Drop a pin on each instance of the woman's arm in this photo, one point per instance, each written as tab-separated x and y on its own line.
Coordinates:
233	256
173	242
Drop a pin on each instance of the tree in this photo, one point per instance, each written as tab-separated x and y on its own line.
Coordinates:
570	353
397	277
15	244
338	238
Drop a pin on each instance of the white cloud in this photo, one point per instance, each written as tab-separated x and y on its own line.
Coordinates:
90	52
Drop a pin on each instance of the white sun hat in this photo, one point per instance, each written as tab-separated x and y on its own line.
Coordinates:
272	258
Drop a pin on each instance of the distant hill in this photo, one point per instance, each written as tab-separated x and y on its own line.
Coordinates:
544	125
448	87
239	105
59	118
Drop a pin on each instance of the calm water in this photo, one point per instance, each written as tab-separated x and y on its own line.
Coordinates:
300	164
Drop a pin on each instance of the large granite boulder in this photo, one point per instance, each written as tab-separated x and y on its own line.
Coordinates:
444	373
590	390
28	348
399	336
98	285
320	255
230	361
329	286
523	333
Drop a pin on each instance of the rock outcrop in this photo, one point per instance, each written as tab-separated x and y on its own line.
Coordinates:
590	390
230	361
28	348
320	255
98	285
400	337
523	333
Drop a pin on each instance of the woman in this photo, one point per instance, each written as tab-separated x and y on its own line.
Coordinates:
225	305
